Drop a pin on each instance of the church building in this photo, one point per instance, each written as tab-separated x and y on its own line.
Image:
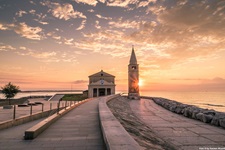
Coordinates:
101	84
133	77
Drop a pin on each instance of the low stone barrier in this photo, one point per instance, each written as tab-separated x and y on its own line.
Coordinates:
205	115
37	129
115	136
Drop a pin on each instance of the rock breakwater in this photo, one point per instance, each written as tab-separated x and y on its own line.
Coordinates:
205	115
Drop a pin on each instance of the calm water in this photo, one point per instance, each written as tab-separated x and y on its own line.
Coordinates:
25	94
210	100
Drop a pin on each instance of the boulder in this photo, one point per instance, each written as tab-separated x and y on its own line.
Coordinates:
194	113
178	110
216	119
199	116
222	122
207	118
209	112
173	108
187	112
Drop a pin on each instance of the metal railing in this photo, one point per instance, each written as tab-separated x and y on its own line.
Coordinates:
41	108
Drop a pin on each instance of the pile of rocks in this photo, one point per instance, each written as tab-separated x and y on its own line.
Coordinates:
205	115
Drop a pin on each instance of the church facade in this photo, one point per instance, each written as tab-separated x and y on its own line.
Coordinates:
101	84
133	77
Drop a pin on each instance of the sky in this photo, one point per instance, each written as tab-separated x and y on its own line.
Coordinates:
57	44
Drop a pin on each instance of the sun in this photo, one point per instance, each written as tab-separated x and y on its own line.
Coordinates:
141	82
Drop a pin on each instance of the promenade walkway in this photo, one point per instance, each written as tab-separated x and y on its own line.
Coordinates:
184	133
79	129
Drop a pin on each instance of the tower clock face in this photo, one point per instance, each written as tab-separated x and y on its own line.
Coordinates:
102	81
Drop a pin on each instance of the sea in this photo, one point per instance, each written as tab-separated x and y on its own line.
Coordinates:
208	100
38	93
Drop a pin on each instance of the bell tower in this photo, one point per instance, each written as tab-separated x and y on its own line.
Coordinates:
133	77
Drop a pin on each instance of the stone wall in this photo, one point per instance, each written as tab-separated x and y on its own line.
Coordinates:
205	115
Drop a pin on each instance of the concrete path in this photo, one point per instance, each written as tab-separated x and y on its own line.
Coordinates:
185	133
79	129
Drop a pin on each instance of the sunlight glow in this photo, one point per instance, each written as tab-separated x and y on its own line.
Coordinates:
141	82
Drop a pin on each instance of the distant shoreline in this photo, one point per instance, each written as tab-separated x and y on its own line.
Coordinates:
29	91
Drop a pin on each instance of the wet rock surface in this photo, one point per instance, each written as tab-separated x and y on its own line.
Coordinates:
205	115
144	135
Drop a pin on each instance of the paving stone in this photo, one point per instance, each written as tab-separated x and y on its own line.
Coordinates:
175	133
79	129
201	130
184	133
215	137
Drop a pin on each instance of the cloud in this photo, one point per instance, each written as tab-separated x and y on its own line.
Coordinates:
107	42
28	32
97	26
68	41
54	35
102	17
202	17
80	81
146	3
32	2
91	10
126	24
32	11
48	56
65	11
36	54
21	13
128	3
82	25
4	26
4	47
24	30
119	3
215	84
41	22
185	32
89	2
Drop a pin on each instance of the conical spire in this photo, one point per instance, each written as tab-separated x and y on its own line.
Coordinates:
133	59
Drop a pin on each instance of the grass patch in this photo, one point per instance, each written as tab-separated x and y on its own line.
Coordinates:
73	97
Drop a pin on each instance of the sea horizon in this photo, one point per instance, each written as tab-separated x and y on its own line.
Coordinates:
203	99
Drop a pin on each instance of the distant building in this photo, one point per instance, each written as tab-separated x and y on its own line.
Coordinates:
101	84
133	77
85	93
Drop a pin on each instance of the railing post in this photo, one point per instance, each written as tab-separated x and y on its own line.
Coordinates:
31	109
14	112
42	109
50	106
58	107
65	104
